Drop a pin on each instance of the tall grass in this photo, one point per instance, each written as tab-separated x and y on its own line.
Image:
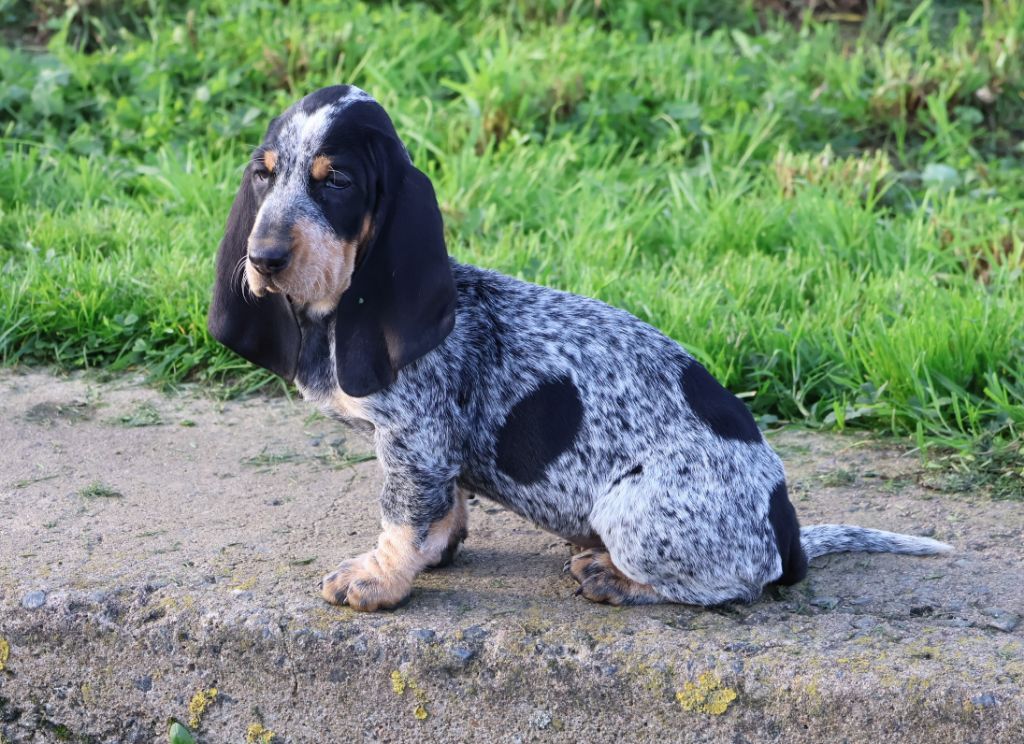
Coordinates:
828	215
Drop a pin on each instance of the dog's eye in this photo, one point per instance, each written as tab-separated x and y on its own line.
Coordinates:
337	180
261	174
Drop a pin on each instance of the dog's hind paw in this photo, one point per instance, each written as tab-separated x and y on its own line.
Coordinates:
601	581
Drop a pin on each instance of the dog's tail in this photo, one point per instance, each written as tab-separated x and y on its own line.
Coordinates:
821	539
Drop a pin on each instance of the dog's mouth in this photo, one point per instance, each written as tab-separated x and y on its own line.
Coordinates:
260	284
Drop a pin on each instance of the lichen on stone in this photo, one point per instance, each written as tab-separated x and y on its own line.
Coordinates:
397	683
706	695
5	653
198	704
400	682
258	734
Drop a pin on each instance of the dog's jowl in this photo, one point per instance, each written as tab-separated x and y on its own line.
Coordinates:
333	273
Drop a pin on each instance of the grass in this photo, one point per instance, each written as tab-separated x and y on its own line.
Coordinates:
97	490
826	212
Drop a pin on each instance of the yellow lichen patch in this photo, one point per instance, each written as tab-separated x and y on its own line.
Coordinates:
5	653
706	695
198	704
417	691
257	734
400	682
397	683
652	679
245	584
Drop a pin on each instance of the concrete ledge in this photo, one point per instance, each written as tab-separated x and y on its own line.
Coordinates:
141	565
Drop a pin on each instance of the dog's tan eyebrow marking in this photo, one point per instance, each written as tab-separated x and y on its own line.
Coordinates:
270	159
320	168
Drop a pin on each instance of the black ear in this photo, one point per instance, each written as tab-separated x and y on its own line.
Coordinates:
401	303
261	329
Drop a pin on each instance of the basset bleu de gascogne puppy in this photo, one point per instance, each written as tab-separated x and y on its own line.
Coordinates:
333	273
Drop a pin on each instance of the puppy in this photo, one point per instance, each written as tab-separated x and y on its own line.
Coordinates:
333	273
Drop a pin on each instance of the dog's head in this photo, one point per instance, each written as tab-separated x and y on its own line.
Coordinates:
332	218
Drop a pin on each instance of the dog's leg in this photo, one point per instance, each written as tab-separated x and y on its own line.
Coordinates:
381	579
423	519
671	536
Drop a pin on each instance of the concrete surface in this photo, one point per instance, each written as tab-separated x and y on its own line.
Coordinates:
155	548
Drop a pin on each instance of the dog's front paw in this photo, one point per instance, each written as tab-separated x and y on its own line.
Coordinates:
362	585
334	586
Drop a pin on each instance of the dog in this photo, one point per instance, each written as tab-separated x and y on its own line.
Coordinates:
333	273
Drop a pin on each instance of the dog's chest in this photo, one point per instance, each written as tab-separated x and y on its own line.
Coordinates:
315	372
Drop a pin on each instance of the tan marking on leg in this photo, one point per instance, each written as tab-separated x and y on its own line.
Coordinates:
320	168
270	159
601	580
448	533
382	578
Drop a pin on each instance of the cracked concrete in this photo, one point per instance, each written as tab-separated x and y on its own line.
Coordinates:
154	547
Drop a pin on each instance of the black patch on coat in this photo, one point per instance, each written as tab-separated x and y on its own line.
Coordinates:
538	429
722	411
783	519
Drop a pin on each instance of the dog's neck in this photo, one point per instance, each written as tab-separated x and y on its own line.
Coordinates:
315	370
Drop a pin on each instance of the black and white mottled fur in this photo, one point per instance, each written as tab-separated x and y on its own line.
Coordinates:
586	421
681	500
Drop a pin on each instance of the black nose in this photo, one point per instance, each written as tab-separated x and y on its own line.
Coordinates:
269	260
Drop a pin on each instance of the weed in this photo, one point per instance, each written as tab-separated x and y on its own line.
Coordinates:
268	459
97	490
338	457
145	414
32	481
838	478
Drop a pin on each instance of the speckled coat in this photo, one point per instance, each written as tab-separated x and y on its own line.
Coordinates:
571	413
588	422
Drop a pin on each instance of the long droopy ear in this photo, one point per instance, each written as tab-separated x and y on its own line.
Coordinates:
260	329
401	303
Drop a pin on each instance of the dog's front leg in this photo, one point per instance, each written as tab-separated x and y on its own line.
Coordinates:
424	520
